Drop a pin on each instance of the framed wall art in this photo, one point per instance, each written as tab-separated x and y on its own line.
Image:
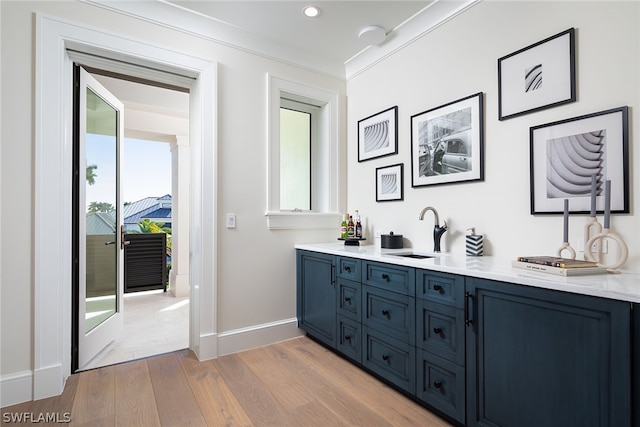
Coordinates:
564	156
378	135
538	76
447	143
389	183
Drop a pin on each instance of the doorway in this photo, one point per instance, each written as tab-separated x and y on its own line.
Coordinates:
154	118
55	39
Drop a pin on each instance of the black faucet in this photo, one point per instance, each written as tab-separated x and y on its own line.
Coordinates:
437	230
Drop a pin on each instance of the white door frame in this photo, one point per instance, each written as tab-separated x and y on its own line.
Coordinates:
52	203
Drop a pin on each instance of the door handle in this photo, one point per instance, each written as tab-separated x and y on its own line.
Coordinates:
123	242
112	242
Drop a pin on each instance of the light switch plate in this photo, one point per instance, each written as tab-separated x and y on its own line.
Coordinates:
231	220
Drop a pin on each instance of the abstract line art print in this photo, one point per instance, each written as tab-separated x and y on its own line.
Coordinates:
539	76
567	154
571	162
378	135
389	183
533	78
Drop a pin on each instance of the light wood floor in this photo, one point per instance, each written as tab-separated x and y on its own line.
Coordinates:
292	383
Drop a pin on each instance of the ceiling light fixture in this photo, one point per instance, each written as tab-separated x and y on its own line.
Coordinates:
311	11
373	34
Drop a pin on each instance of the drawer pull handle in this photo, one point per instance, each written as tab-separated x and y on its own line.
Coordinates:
386	314
347	269
348	338
385	357
347	299
437	287
437	384
437	330
385	276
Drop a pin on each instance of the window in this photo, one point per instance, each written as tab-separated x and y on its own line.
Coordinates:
302	173
296	125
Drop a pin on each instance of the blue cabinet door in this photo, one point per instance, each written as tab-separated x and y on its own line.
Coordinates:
537	357
316	295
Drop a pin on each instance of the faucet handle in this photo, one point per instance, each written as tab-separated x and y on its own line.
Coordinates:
444	224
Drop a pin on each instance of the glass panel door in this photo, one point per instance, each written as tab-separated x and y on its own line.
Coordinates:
100	217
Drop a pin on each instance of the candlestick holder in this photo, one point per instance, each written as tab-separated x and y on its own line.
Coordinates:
607	234
592	228
566	247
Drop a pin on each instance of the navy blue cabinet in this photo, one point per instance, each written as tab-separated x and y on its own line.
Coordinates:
537	357
316	295
476	351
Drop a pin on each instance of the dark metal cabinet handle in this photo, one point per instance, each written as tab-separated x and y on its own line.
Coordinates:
468	301
437	287
437	330
385	276
385	313
347	268
385	357
437	384
348	338
347	299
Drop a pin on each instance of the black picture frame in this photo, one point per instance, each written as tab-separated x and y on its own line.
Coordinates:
390	183
537	77
565	154
378	135
447	143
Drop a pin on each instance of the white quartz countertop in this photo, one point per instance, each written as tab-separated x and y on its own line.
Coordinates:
622	286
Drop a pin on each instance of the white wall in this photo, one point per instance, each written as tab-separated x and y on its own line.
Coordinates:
256	267
459	59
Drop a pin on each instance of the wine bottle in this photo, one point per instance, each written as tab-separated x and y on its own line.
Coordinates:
343	227
358	226
351	230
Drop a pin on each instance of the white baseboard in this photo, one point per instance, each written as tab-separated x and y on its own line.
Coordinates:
47	382
16	388
257	336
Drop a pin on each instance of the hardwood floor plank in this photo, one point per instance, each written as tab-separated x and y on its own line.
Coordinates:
256	399
217	403
135	402
341	403
397	409
296	383
95	397
174	399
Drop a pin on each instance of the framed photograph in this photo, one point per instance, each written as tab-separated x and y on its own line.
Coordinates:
565	155
447	143
378	135
538	76
389	183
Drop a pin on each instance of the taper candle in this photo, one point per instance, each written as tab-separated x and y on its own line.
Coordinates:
593	195
565	235
607	203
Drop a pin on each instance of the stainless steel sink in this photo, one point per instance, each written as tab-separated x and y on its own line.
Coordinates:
415	256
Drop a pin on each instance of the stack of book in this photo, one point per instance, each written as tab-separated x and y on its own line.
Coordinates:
558	266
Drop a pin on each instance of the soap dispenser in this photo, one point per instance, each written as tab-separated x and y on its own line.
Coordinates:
475	242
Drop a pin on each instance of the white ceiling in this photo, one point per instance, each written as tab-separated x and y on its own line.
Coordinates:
333	34
277	29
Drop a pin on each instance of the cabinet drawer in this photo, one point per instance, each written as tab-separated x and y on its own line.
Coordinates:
389	358
390	277
440	330
349	302
441	384
350	338
389	312
442	288
349	268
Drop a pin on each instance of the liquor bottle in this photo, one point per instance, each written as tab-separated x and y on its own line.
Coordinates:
358	226
343	227
351	230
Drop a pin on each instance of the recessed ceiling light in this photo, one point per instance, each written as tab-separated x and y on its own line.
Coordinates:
311	11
